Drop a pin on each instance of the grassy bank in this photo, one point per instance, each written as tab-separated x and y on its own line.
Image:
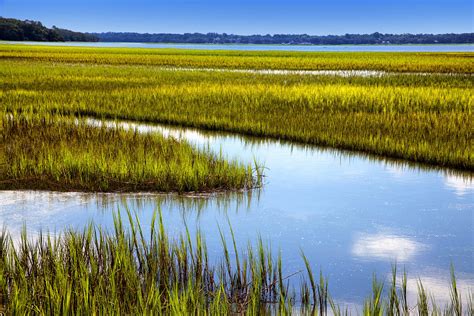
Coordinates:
128	272
419	118
55	153
383	61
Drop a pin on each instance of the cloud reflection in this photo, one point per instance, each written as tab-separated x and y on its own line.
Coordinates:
191	135
460	185
386	247
437	283
397	171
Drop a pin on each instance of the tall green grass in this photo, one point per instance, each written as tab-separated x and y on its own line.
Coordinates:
422	118
50	152
383	61
130	271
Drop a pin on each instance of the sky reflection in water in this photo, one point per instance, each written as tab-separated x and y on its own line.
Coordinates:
352	215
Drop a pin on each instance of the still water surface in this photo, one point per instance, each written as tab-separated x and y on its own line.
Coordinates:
263	47
352	215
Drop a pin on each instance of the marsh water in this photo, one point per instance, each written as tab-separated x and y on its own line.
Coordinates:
265	47
351	214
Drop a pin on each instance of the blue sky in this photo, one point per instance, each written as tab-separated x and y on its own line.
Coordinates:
317	17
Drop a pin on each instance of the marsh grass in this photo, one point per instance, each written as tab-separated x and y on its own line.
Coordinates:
58	153
384	61
130	271
423	119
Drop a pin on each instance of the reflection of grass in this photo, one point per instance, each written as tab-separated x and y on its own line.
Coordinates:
51	153
418	118
193	205
126	272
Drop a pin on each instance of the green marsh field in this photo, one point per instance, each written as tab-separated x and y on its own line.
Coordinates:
425	117
57	105
394	62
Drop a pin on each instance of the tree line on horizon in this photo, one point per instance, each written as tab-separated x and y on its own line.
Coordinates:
27	30
302	39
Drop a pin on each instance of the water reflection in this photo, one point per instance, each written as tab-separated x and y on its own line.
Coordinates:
461	185
54	211
437	283
352	214
203	138
388	247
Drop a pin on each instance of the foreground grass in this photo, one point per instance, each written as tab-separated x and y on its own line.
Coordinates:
419	118
126	272
49	152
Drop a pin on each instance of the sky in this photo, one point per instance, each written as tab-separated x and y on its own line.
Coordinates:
316	17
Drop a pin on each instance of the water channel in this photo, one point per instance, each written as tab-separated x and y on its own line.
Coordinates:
351	214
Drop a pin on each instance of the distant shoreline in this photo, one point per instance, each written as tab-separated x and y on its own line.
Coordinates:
230	44
402	48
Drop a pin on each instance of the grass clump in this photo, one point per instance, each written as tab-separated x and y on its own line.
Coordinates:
130	271
57	153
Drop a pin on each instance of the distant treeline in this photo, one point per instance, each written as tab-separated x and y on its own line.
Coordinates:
348	39
17	30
